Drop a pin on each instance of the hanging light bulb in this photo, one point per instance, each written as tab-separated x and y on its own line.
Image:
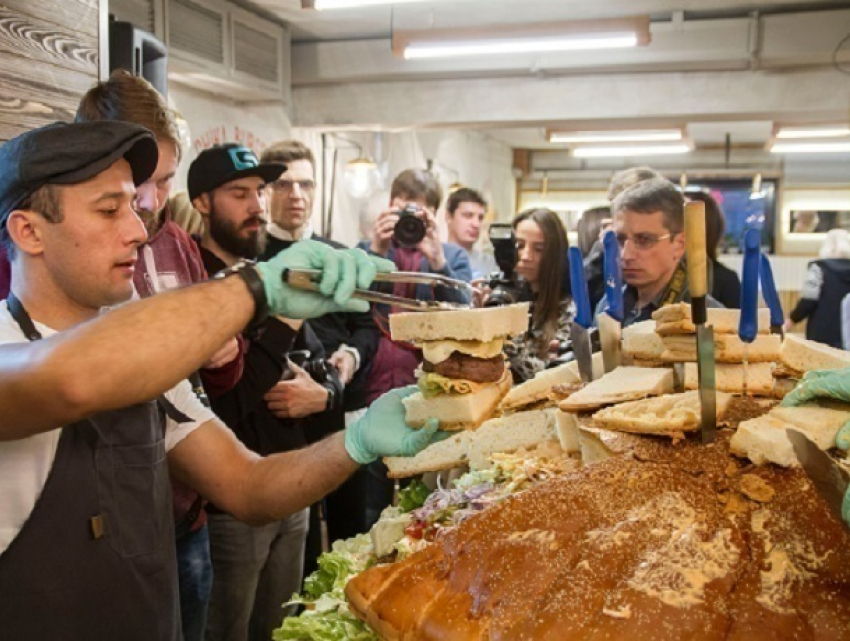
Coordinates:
544	186
361	177
683	181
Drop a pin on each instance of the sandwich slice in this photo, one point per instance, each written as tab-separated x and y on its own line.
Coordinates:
667	415
764	439
620	385
463	374
676	319
728	348
642	343
729	377
799	355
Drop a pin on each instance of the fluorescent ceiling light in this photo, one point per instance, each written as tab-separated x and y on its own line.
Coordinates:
567	43
810	147
321	5
630	151
520	39
655	135
826	131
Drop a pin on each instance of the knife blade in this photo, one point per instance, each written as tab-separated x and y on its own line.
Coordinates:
610	322
698	286
829	479
579	335
748	323
771	297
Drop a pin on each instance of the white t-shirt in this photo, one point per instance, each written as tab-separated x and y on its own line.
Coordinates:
25	463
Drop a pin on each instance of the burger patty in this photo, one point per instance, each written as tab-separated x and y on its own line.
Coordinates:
479	370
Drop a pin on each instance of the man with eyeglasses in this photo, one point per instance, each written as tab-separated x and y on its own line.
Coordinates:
649	219
350	339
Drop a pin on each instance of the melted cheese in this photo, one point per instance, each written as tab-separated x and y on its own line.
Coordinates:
431	384
438	351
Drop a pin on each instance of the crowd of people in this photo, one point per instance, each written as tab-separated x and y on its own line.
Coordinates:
172	408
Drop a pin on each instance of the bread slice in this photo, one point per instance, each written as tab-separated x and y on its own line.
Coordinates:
764	439
457	411
801	355
729	377
642	342
508	434
728	348
671	414
483	324
566	426
676	319
622	384
538	388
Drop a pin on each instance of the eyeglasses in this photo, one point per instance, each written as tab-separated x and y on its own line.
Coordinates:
286	186
641	242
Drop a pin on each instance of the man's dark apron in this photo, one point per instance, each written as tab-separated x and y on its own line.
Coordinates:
96	558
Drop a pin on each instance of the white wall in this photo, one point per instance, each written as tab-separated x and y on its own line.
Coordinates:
472	158
213	120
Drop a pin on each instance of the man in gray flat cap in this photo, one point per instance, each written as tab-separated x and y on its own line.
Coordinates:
95	411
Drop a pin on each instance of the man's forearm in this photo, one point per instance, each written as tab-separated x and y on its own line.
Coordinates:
282	484
127	356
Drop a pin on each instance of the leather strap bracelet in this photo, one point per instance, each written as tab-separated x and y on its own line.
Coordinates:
248	273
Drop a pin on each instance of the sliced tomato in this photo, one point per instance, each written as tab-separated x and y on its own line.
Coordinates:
415	529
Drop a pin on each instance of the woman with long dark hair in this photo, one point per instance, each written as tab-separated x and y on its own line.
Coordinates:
542	244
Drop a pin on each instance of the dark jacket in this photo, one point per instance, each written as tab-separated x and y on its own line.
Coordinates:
725	285
243	408
355	329
824	313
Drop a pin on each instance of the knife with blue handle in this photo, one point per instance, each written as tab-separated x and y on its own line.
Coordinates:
580	325
748	324
610	322
771	297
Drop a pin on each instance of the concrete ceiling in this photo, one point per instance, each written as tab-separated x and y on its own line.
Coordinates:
714	67
378	21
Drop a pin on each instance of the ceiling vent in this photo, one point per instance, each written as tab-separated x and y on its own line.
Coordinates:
222	49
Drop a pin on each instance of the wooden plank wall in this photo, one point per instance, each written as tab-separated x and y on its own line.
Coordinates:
48	60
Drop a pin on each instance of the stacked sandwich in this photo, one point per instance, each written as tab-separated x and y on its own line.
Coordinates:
463	375
799	355
678	335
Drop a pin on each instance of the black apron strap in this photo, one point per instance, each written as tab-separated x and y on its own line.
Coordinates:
22	318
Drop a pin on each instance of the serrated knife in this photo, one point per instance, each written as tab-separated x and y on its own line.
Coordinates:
610	322
771	297
697	260
829	479
580	325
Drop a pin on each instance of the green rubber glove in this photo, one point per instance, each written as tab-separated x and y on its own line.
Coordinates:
342	272
829	383
834	384
383	432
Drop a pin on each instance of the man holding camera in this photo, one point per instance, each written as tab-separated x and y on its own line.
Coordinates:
407	234
256	569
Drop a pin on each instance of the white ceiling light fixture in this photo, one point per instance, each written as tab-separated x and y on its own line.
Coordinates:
630	151
819	131
322	5
810	147
648	135
519	39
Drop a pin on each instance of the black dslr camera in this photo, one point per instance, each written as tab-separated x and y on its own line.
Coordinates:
506	286
410	228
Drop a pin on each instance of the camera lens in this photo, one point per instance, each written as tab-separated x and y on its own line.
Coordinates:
409	230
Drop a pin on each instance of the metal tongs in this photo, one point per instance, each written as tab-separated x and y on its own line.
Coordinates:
309	279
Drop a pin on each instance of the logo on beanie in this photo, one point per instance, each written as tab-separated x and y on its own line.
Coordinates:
243	158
